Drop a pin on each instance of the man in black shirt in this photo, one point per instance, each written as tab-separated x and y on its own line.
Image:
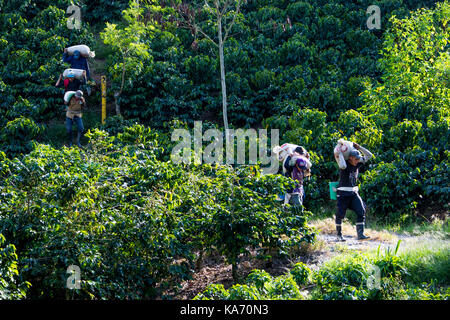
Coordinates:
347	191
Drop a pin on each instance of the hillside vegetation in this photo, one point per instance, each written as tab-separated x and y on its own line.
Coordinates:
138	224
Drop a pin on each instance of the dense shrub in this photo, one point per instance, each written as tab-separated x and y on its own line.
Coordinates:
10	287
301	273
313	52
132	223
18	136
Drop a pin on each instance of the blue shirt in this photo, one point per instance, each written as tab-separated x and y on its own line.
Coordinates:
80	63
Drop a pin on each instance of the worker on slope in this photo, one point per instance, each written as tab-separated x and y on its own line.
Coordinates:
70	83
297	167
75	104
77	61
347	191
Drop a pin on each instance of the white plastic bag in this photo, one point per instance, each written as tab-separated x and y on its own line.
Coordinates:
84	50
77	72
343	146
68	95
284	150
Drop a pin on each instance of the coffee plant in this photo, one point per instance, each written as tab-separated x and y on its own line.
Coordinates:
125	217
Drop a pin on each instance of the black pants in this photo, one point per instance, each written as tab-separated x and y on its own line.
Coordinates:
352	202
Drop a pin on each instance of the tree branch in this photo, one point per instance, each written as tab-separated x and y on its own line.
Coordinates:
225	8
227	30
188	22
197	28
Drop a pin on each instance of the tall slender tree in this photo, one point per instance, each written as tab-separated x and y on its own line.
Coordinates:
225	12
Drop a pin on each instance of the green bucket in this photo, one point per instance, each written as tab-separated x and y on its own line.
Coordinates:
333	187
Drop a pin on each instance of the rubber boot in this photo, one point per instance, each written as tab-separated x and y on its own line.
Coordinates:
360	232
339	234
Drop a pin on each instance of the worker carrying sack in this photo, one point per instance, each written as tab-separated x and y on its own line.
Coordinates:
290	161
68	95
288	154
78	73
284	150
345	147
83	49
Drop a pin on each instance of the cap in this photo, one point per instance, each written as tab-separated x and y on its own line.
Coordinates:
356	154
71	75
79	94
300	162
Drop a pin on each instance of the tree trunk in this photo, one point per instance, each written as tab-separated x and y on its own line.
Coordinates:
117	94
199	263
116	97
234	272
222	78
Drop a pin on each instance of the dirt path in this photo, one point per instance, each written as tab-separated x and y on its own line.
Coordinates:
216	271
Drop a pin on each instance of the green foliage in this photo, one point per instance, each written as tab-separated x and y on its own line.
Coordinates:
243	292
350	272
260	279
18	136
10	288
125	217
284	287
314	54
213	292
101	11
33	36
116	124
301	273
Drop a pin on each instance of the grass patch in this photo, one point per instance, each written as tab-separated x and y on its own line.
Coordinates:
327	226
427	262
417	271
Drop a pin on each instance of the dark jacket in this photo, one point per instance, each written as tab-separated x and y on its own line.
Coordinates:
80	63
